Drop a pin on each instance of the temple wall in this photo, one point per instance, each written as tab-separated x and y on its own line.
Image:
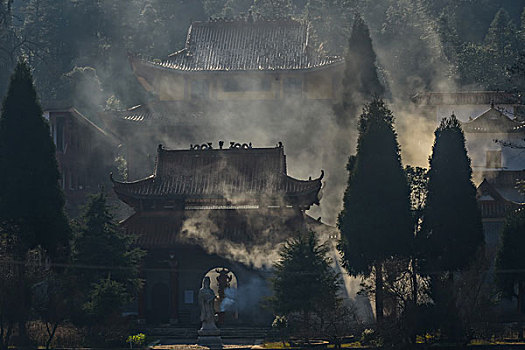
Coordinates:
319	86
171	87
314	85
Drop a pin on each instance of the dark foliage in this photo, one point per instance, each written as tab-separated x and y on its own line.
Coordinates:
452	220
360	80
107	275
510	261
31	201
305	284
375	222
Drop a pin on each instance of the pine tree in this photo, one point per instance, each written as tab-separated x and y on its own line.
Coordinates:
99	242
305	282
452	220
376	222
510	261
31	201
360	80
502	33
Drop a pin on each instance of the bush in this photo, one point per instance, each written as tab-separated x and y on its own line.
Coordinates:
137	340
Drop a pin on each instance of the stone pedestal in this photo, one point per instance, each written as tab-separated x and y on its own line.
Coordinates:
210	337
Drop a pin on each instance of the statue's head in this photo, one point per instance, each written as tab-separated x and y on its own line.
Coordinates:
206	282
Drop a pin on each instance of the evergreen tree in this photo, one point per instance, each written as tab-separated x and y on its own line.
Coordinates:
100	243
502	33
360	80
305	282
452	220
375	223
31	201
510	260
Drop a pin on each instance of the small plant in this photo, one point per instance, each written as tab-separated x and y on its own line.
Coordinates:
368	336
280	324
137	339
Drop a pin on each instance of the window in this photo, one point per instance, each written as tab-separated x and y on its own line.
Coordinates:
493	159
246	84
199	89
292	87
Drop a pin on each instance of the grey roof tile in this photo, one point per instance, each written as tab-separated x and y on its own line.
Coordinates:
243	45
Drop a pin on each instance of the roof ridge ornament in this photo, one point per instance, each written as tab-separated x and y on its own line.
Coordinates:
209	146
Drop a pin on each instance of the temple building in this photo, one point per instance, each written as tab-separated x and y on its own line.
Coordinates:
85	154
217	211
242	59
467	105
488	137
245	73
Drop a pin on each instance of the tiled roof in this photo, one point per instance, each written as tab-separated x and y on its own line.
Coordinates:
467	98
166	229
235	175
155	111
493	121
246	45
493	199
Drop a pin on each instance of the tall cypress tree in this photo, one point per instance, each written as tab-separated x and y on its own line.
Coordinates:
375	223
452	220
511	258
31	201
360	80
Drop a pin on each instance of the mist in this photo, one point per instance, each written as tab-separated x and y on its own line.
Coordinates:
413	55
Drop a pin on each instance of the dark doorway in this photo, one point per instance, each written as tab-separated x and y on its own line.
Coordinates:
160	303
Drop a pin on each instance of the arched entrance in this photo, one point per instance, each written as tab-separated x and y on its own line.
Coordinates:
160	303
224	284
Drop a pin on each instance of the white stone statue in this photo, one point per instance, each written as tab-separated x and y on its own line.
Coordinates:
206	302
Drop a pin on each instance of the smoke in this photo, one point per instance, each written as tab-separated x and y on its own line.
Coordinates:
258	250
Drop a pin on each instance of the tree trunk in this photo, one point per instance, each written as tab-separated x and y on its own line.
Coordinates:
379	292
520	309
414	282
51	334
5	336
415	287
22	313
306	330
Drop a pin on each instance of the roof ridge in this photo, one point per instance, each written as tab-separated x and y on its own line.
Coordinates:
246	20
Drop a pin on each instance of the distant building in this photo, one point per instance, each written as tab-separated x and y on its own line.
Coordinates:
468	105
242	59
497	195
493	140
496	146
196	215
85	154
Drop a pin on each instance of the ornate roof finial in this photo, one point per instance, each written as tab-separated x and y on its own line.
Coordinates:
492	104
